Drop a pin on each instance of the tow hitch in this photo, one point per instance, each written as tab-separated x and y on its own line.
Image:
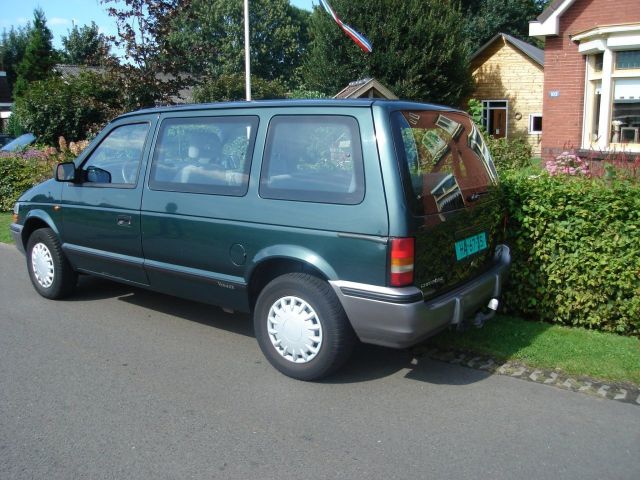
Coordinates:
482	316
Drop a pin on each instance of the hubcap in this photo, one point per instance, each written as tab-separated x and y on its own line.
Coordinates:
294	329
42	265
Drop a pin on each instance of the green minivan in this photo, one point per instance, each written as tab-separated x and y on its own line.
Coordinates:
331	221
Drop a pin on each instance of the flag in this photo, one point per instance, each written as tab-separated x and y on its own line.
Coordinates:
360	40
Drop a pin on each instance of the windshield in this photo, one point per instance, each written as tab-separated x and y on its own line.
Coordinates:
445	162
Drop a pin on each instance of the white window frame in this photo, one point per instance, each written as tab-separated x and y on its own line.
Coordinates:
486	108
606	40
533	131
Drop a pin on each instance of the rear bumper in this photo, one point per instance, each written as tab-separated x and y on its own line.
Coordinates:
399	317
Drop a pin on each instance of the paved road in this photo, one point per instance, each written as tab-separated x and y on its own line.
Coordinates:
120	383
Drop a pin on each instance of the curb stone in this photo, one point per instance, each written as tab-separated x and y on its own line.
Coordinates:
620	392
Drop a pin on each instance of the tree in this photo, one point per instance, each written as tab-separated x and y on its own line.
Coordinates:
425	58
75	107
232	87
39	55
151	74
12	48
86	46
211	35
486	18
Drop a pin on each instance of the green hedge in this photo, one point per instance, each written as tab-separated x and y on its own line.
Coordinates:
576	251
21	171
509	153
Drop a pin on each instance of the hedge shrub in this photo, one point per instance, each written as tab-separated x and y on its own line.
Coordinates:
509	153
21	171
576	250
76	107
232	87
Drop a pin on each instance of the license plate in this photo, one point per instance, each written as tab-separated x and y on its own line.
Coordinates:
470	245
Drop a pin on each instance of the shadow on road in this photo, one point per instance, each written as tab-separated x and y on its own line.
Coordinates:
93	288
368	362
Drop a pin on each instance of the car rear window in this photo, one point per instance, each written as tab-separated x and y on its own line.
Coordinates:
313	158
444	160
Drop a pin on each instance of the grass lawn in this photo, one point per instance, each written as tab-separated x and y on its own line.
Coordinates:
5	221
573	350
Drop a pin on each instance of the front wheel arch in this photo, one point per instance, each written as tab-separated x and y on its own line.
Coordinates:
35	221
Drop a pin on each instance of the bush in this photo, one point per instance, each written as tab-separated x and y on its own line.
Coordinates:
567	164
13	126
232	87
576	254
74	107
21	171
509	154
301	93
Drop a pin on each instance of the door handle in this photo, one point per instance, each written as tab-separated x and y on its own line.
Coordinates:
124	221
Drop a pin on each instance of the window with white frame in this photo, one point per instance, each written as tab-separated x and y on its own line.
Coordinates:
535	123
494	117
612	94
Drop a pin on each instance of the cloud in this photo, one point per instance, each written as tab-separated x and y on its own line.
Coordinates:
58	21
19	22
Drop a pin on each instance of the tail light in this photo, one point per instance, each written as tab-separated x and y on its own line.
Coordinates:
402	258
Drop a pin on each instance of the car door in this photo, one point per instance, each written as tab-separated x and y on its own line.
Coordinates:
192	208
101	211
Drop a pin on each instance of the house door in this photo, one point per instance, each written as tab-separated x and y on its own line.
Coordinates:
494	117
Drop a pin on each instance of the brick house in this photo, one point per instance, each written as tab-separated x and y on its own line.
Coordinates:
509	75
5	101
591	75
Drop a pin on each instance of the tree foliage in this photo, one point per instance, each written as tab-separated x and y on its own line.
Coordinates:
86	46
39	56
12	48
229	87
151	73
75	107
419	49
486	18
211	35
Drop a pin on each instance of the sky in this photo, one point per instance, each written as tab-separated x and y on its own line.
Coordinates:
62	14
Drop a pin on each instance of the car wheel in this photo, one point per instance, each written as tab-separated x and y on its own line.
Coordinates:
49	270
301	327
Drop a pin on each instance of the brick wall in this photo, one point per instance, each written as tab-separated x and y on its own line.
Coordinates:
564	69
503	72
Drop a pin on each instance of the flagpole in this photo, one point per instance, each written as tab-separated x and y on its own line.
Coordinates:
247	61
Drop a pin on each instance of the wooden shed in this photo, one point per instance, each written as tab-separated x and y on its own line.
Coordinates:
366	88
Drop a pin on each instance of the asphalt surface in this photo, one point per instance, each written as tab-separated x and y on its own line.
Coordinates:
121	383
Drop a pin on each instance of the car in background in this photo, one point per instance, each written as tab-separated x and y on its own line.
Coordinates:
19	143
4	139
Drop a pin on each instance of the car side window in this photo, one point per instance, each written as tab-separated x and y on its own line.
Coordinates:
313	158
116	161
204	155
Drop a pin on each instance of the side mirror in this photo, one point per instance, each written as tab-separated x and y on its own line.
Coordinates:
66	172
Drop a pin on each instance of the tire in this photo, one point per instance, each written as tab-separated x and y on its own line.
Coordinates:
51	274
315	338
